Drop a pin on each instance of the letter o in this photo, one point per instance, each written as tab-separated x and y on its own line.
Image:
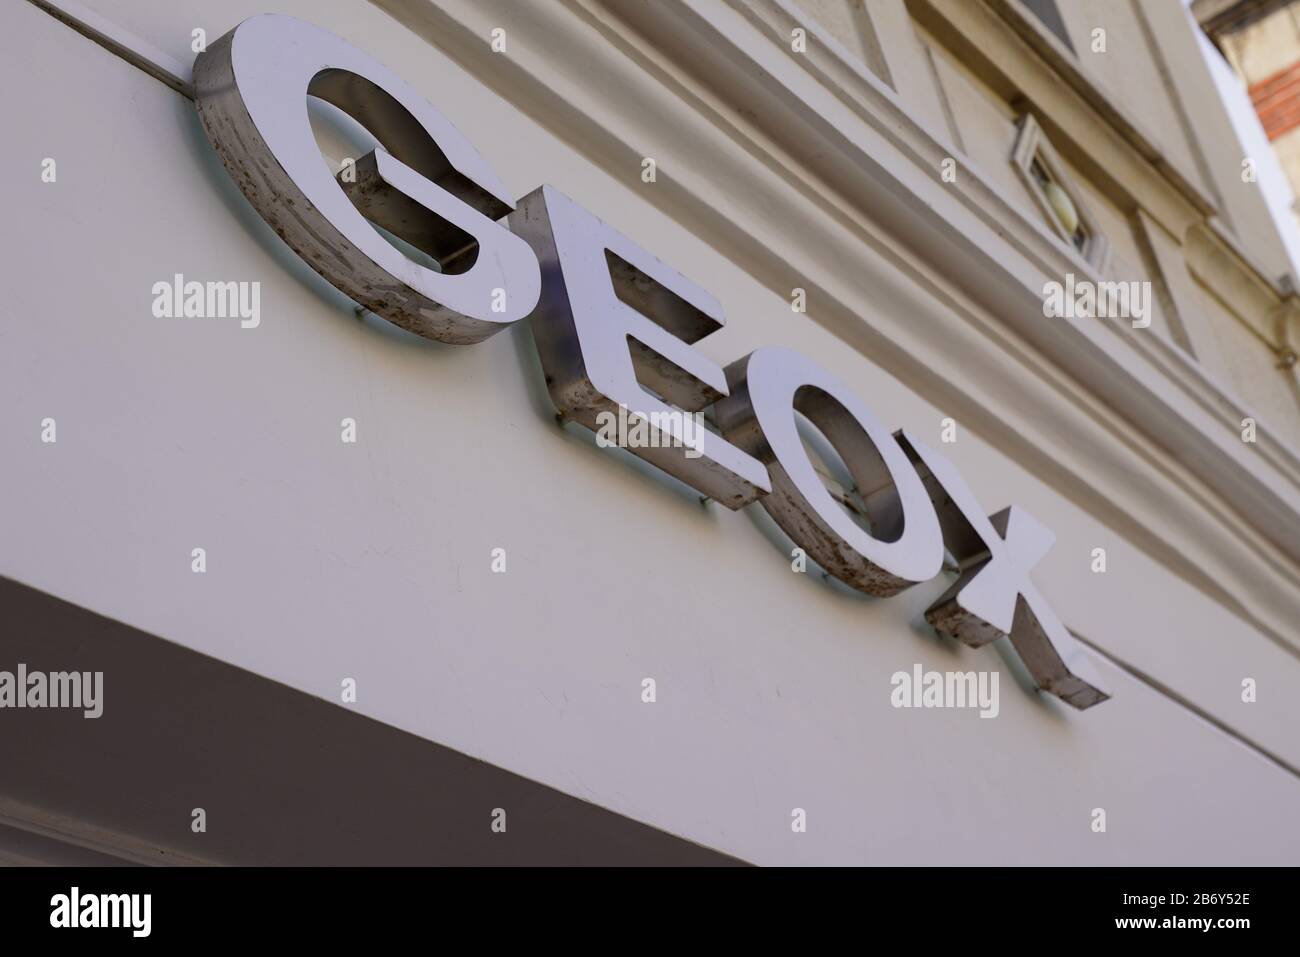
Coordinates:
767	388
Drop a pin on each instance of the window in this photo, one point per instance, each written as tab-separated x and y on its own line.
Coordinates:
1050	16
1059	200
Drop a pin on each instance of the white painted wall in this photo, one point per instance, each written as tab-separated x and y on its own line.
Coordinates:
371	561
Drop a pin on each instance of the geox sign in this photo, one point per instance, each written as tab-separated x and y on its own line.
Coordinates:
615	329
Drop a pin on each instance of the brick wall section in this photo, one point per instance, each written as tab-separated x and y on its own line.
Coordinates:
1277	101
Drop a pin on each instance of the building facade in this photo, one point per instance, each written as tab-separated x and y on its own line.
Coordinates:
357	596
1260	40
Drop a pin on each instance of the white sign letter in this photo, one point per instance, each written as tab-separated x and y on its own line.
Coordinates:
425	183
614	330
770	388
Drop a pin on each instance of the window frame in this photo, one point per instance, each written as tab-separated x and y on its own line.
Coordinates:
1032	145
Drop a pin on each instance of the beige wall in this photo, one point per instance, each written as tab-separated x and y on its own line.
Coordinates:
985	118
373	561
1132	74
1264	47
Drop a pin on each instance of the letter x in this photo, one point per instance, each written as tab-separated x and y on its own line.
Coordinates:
993	596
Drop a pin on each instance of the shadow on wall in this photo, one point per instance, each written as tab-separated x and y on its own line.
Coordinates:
284	778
